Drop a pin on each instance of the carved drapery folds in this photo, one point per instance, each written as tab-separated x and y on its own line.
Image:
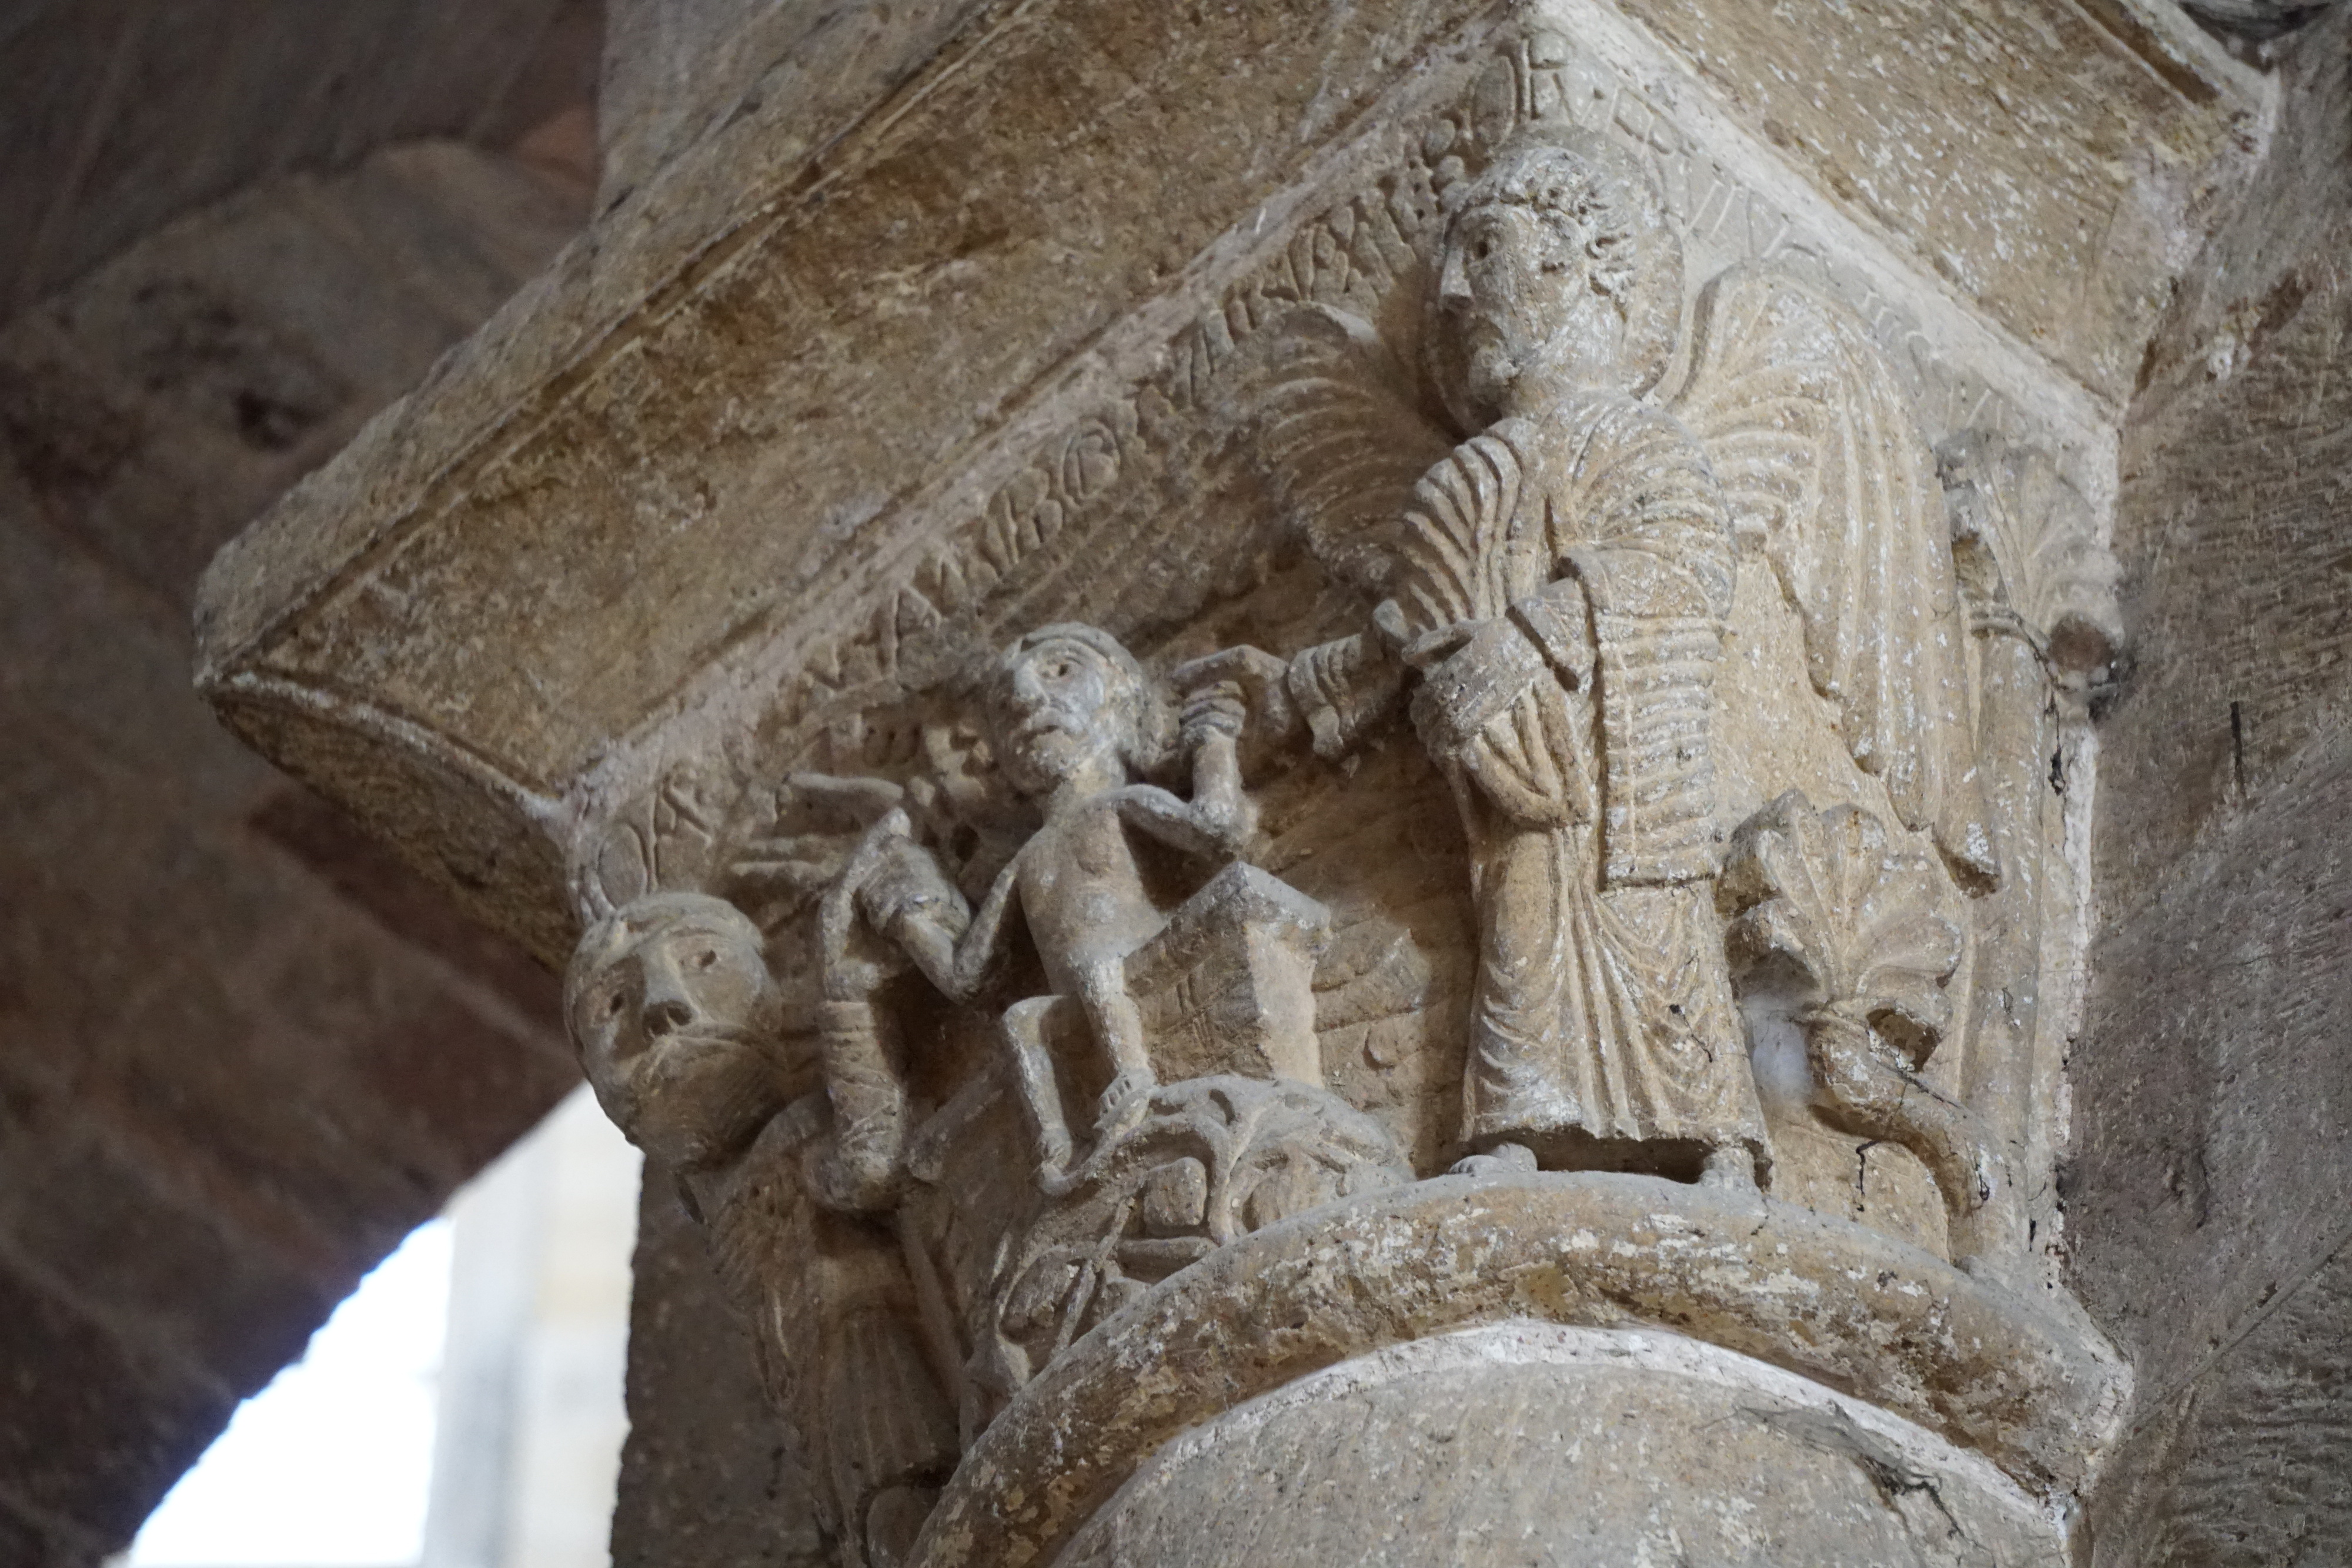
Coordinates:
1568	725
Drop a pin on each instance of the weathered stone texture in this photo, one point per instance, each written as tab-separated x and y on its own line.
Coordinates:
948	245
197	375
2258	19
2245	1467
2236	471
981	272
2216	1132
904	326
710	1478
1916	1338
1468	1449
2212	1184
673	73
2024	152
125	114
226	1093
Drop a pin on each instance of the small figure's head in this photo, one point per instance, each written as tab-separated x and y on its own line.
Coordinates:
1068	699
678	1021
1558	270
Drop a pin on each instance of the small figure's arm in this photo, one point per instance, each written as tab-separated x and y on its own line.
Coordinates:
904	899
911	903
1217	821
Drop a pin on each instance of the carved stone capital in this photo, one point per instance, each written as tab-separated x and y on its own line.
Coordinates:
1496	626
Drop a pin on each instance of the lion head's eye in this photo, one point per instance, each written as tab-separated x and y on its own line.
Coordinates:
704	958
613	1004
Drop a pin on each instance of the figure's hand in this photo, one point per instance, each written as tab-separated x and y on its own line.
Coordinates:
1249	679
851	802
801	863
1124	1103
1476	682
1149	801
1053	1152
1498	650
1416	649
856	963
904	881
806	862
1213	710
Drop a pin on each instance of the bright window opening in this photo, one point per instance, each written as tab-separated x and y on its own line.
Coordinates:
463	1409
332	1465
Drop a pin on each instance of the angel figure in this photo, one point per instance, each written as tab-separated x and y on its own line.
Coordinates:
1552	592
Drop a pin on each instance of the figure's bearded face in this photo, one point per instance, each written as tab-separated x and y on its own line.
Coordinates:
1516	286
1061	710
675	1022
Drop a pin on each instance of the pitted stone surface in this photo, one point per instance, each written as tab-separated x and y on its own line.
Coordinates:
897	270
2024	150
1819	1298
2211	1189
1675	437
1528	1443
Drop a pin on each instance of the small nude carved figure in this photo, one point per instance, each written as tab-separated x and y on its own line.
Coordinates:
1072	720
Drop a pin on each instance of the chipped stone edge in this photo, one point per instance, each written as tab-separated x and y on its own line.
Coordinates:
2032	1386
1533	1342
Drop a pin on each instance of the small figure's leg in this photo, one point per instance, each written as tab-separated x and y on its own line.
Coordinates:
1119	1026
1024	1030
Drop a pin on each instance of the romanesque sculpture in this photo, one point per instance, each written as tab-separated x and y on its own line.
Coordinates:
683	1032
796	1145
1872	934
1072	720
1624	904
1556	587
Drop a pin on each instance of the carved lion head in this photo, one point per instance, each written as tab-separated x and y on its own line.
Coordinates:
678	1022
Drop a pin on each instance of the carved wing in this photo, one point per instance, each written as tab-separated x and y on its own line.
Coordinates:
1337	425
1456	560
1825	467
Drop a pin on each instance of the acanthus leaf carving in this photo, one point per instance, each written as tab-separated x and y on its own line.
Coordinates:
2029	548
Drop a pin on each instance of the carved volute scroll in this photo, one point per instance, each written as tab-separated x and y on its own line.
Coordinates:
1512	718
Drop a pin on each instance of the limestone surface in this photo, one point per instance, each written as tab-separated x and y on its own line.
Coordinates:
1467	1444
1195	719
